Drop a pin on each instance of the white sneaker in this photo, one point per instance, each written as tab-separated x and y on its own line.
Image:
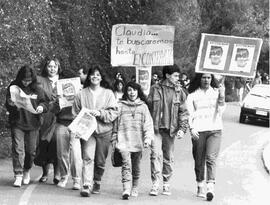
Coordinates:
26	177
166	190
134	192
76	185
154	190
18	181
63	182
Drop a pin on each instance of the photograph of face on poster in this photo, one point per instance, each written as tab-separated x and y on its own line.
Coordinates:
143	77
242	57
215	56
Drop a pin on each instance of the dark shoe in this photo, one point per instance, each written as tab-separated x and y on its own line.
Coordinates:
126	194
43	179
210	192
96	188
85	192
209	196
55	180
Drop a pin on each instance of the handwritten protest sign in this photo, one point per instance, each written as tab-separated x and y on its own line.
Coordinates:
66	90
228	55
84	125
21	99
142	45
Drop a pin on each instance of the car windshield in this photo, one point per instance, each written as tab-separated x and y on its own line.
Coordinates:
261	91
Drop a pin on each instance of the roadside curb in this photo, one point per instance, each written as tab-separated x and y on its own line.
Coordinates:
266	157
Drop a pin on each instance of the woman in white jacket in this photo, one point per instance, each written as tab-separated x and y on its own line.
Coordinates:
206	103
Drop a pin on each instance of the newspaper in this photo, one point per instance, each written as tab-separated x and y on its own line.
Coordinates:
21	99
84	125
66	90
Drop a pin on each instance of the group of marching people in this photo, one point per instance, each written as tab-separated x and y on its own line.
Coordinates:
126	119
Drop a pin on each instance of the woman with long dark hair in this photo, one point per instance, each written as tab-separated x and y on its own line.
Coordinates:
97	96
206	103
24	124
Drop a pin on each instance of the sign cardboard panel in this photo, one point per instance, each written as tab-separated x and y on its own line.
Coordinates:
142	45
228	55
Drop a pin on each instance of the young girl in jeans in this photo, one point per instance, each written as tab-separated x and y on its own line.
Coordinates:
206	103
25	124
97	97
133	130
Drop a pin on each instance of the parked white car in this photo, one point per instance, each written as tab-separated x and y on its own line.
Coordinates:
256	104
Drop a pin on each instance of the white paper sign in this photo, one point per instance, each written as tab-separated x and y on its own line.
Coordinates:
142	45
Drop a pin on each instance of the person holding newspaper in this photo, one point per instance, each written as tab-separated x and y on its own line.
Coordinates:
66	155
133	131
25	124
206	103
98	97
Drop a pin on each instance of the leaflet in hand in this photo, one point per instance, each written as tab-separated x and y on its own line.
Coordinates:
84	125
21	99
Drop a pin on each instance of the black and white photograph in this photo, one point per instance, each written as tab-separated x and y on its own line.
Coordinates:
134	102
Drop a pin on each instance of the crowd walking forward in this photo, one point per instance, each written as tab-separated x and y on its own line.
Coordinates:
99	98
133	131
206	103
167	104
24	124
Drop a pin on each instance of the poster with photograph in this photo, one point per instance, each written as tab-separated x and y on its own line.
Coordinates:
84	125
142	45
228	55
21	99
242	57
66	90
216	54
143	77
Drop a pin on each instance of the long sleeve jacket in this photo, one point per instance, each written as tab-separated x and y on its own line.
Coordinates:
107	106
205	111
167	104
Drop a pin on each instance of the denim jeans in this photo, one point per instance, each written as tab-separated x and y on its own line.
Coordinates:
205	151
67	157
103	142
23	149
131	168
94	153
161	157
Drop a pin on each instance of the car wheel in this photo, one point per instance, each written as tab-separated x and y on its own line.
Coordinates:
242	118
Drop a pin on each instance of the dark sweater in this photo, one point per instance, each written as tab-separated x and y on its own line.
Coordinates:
23	119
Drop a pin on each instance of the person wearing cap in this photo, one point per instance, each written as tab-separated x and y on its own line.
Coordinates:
24	124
